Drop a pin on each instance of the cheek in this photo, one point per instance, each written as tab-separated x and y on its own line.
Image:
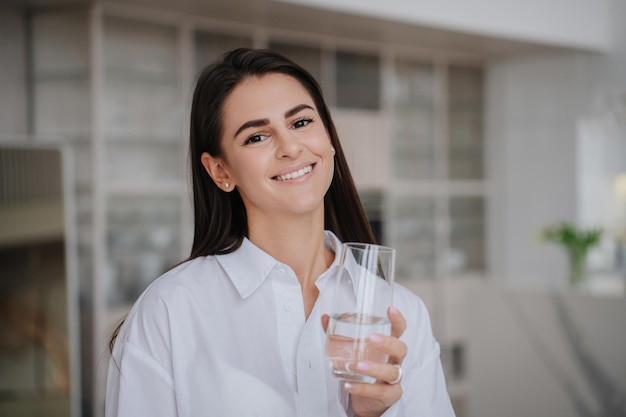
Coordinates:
330	165
322	141
248	170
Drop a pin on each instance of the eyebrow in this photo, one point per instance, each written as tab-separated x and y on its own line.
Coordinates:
265	122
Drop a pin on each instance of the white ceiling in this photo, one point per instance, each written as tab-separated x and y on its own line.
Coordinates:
280	15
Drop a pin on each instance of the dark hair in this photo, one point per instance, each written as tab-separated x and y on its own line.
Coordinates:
220	221
220	218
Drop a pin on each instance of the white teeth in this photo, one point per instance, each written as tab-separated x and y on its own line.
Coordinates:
295	174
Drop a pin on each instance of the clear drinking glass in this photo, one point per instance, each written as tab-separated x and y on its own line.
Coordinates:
363	293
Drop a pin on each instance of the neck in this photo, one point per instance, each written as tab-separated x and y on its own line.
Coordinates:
298	243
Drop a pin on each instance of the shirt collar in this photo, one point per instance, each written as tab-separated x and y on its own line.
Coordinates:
249	266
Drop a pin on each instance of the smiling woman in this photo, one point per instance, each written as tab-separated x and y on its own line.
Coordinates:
244	315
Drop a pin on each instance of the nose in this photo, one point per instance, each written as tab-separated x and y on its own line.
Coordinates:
287	145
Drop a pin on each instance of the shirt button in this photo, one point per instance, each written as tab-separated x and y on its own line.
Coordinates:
288	308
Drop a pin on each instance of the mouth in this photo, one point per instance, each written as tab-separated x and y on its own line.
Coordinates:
294	174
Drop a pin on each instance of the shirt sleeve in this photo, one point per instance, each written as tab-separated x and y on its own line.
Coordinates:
137	385
424	391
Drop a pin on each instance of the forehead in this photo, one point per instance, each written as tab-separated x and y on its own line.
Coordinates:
261	97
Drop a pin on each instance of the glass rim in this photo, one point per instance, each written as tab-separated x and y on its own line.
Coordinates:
365	246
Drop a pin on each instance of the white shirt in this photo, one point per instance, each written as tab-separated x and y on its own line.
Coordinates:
226	335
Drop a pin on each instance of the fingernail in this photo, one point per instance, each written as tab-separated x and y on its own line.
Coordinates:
393	311
376	339
347	386
363	366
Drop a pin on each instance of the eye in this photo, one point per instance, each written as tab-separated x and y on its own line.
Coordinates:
302	122
256	138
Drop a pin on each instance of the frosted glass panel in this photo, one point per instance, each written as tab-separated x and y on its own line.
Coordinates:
142	102
210	46
141	46
412	227
143	241
413	138
357	79
142	97
83	164
307	57
62	107
60	42
467	236
465	123
139	109
143	162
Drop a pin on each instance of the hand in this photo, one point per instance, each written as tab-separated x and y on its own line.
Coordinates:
371	400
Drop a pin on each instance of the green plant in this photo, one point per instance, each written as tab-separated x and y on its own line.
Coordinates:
577	243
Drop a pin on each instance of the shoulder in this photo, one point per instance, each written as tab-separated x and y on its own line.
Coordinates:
172	291
414	311
186	276
403	297
167	316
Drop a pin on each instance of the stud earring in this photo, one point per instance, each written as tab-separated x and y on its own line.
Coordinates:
226	185
332	149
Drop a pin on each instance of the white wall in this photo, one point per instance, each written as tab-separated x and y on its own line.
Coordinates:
569	23
531	129
534	107
12	74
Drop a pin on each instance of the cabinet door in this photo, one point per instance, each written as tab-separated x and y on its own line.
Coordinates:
143	154
413	121
465	121
60	83
467	237
412	232
142	103
143	241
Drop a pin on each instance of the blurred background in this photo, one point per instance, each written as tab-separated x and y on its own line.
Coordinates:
471	129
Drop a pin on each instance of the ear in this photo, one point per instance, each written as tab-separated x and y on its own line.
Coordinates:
217	171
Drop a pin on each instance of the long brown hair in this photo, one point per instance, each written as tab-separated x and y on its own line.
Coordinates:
220	220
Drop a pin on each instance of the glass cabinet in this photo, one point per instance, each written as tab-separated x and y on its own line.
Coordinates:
436	215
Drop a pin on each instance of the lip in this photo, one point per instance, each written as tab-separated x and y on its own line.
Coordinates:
293	169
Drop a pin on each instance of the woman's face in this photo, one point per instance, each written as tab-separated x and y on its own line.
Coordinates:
275	148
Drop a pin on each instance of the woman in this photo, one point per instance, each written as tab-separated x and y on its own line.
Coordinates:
238	329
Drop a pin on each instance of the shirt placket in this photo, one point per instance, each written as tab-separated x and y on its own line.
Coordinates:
289	319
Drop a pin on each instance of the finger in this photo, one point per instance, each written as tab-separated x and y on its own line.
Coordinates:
383	372
325	319
398	323
386	394
392	346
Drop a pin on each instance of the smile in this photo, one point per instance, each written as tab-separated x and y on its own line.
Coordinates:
294	174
